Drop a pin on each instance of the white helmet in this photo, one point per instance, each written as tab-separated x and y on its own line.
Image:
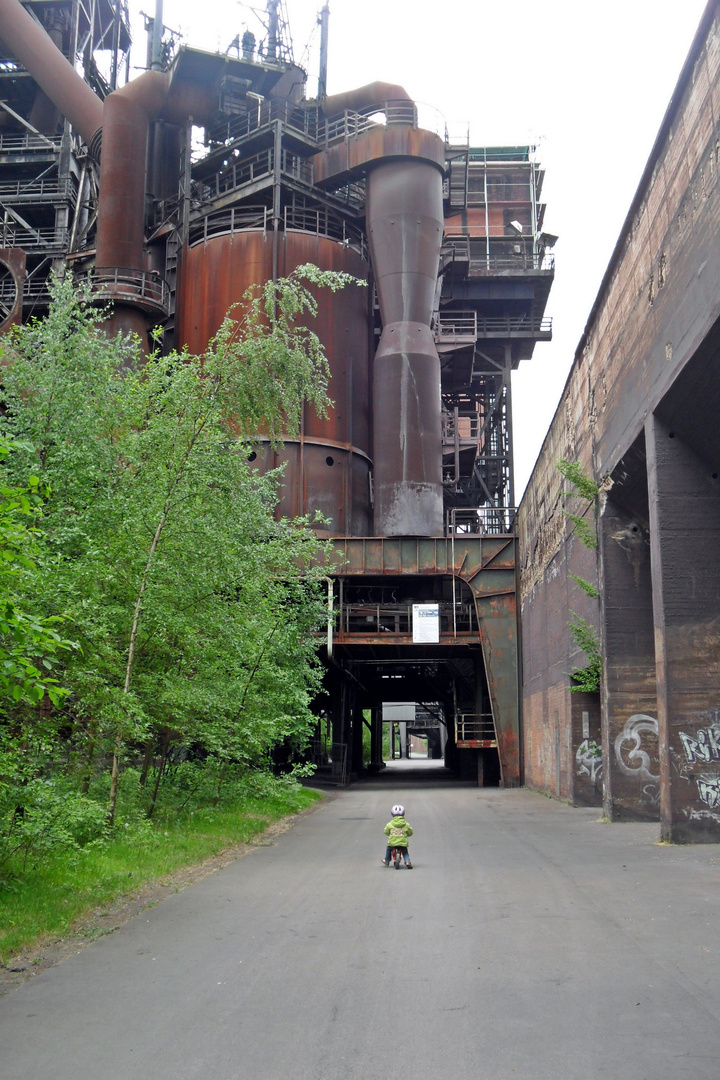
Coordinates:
397	811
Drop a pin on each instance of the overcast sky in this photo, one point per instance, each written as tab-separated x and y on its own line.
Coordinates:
588	83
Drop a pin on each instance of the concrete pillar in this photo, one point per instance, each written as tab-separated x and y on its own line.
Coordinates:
685	540
376	736
630	764
356	730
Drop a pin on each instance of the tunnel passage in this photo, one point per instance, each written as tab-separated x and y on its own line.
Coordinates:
374	666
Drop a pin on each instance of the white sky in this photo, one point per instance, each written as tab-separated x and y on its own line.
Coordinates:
588	83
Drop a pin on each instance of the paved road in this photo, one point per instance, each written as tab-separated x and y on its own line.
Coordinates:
530	942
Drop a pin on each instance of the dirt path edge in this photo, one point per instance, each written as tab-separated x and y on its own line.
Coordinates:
94	924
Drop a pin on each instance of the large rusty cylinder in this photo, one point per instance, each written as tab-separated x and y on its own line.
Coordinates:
28	42
121	208
321	477
405	230
407	434
125	319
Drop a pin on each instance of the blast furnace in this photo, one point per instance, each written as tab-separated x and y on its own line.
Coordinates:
412	470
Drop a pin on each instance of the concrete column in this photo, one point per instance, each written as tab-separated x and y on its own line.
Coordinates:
685	537
357	727
376	734
630	766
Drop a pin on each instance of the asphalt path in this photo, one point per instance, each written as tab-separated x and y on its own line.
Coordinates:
530	941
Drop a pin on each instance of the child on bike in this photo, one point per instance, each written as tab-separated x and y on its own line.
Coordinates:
398	833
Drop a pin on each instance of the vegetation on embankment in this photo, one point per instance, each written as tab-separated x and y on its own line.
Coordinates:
49	898
158	618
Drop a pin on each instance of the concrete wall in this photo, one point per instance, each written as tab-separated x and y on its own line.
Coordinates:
640	415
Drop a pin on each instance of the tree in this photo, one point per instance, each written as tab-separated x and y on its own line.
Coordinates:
28	642
188	598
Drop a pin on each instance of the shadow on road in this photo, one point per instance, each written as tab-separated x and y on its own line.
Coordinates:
414	773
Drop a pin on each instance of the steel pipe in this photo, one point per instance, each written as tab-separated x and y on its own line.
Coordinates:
29	43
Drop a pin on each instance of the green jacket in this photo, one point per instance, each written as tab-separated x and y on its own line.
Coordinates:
398	832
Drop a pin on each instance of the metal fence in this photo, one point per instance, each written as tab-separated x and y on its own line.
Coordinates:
148	290
475	728
383	619
481	521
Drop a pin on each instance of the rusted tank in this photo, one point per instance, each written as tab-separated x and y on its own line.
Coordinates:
328	468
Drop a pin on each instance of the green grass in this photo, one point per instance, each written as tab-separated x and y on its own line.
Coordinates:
47	900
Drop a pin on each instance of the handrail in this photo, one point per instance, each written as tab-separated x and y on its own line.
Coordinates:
146	289
12	234
473	250
456	324
475	728
320	221
302	121
235	176
34	188
481	521
398	618
227	222
12	143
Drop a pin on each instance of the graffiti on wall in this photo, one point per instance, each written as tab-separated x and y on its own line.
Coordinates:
588	759
702	747
631	753
632	757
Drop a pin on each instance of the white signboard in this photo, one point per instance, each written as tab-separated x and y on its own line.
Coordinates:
426	623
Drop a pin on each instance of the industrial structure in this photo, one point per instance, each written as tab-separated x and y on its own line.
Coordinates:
412	470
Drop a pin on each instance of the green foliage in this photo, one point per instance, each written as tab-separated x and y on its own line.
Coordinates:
131	508
587	679
586	586
29	643
585	488
584	532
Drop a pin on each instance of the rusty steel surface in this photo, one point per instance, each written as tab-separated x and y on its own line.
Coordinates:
11	287
361	97
486	563
405	229
357	154
121	206
328	468
127	319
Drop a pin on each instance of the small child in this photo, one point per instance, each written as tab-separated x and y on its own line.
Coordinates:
398	833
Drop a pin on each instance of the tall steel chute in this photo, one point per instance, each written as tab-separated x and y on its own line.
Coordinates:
405	228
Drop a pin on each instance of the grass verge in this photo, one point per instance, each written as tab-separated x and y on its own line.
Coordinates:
46	900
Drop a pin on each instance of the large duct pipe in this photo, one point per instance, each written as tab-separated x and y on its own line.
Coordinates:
364	97
120	125
123	170
404	215
29	43
405	228
121	225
